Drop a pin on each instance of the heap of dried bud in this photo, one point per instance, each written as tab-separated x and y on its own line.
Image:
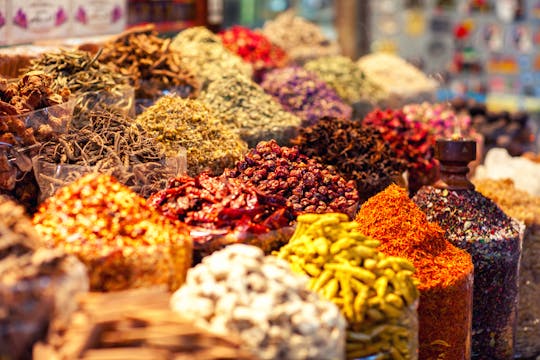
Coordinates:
356	151
190	124
305	95
307	185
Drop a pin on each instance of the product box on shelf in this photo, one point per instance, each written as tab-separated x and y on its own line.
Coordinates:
96	17
3	22
31	20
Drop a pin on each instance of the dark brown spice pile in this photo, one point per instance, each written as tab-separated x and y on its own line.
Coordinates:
357	152
150	64
308	186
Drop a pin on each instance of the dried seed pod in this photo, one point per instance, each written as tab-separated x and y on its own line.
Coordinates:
124	242
375	292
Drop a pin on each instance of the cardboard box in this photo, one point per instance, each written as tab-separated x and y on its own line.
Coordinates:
31	20
96	17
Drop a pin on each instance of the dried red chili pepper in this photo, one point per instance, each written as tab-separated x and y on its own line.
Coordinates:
222	211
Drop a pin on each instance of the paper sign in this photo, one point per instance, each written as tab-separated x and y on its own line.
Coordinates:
96	17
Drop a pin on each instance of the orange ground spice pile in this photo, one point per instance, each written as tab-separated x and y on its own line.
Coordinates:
444	272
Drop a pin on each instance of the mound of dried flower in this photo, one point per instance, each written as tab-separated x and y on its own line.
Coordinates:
255	48
149	62
411	141
357	152
223	211
305	95
123	242
177	122
307	185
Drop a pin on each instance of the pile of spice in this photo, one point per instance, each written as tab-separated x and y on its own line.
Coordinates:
134	324
204	52
246	109
98	86
375	292
36	285
271	309
108	143
301	39
444	272
190	124
149	62
499	164
477	225
526	208
123	242
356	151
442	120
30	112
340	73
412	141
513	131
255	48
397	81
223	211
307	186
303	94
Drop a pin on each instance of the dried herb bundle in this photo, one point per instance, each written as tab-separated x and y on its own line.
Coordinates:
305	95
357	152
177	122
83	74
110	143
149	62
245	108
204	52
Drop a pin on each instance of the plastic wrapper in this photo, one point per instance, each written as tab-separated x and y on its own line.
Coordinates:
50	177
120	99
50	120
36	288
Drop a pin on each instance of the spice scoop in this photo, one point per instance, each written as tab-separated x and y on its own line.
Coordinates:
476	224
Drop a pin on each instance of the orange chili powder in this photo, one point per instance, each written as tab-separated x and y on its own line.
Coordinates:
444	272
